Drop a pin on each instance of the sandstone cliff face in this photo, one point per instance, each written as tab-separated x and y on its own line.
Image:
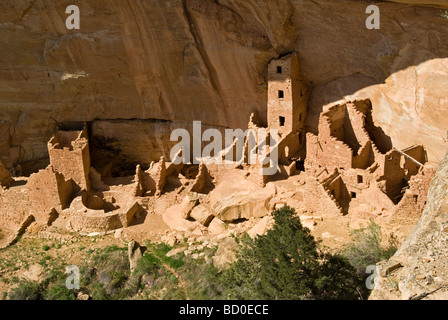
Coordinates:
185	60
419	269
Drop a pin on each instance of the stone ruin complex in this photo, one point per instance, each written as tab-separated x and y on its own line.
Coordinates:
347	167
351	161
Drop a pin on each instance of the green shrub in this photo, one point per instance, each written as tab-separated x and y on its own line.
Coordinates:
103	255
98	292
44	260
59	292
107	277
366	248
27	290
155	255
147	264
286	263
118	278
203	280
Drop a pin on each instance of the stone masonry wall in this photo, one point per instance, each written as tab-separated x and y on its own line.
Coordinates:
73	160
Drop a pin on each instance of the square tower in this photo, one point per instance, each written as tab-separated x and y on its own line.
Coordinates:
287	95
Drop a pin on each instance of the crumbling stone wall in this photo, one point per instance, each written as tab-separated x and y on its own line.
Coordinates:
152	181
357	180
49	189
14	208
334	185
69	155
326	153
414	199
392	175
290	145
365	157
319	200
416	152
343	140
203	182
83	219
138	181
343	143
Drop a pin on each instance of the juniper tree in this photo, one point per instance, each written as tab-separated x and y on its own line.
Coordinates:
287	263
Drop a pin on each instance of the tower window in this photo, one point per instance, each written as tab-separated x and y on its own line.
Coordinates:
279	70
282	121
301	93
353	194
281	94
300	117
360	179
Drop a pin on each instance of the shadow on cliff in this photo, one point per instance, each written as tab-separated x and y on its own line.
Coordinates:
339	56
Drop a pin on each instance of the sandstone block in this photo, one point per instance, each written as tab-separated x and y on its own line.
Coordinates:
173	218
202	214
260	228
216	227
175	252
243	200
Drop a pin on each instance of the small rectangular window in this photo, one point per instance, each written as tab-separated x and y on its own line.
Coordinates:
360	179
300	117
282	121
353	195
279	69
281	94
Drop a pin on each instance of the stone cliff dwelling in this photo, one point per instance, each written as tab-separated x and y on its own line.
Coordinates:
352	161
342	172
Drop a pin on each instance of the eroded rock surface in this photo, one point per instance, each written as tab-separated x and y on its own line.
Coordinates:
242	200
142	68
